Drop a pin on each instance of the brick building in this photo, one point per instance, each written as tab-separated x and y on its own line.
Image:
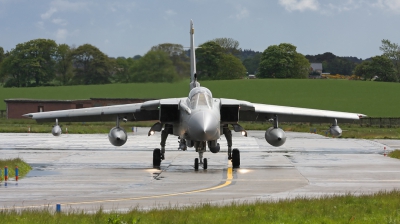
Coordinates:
17	107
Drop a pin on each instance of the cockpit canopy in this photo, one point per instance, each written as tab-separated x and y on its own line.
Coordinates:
200	97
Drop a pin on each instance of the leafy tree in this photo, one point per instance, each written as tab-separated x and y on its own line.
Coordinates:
392	51
31	63
2	55
363	70
178	56
14	71
64	64
214	63
230	67
301	67
283	61
91	65
122	73
383	67
208	56
154	66
379	66
41	56
229	45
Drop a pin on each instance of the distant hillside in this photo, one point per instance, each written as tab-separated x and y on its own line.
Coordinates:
334	64
250	59
247	53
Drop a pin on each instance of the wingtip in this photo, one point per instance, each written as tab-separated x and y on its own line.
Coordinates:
362	116
28	115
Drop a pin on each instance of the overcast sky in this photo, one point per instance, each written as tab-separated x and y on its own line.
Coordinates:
127	28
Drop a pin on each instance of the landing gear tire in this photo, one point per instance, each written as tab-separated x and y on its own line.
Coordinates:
235	158
156	158
196	164
205	163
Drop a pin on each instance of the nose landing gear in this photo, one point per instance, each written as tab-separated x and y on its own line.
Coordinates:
200	148
204	162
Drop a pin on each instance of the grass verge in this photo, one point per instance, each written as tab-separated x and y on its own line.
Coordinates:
381	207
395	154
23	167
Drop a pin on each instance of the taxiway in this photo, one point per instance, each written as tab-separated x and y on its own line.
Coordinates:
86	171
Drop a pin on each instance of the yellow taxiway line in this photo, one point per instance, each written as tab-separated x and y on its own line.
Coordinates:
229	177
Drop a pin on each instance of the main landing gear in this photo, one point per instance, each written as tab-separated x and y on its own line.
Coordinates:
233	155
159	154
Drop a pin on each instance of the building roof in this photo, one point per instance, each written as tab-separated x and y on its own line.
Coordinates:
44	101
143	99
25	100
316	66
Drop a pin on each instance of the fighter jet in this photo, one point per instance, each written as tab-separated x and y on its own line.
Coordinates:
198	120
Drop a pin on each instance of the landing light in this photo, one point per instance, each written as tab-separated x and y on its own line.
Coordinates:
244	133
152	132
243	171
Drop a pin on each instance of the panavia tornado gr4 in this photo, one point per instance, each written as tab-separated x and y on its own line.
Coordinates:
198	120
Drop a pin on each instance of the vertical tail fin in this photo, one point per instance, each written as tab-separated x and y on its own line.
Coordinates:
193	75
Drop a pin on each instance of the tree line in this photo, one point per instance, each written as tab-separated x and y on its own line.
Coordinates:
43	62
385	67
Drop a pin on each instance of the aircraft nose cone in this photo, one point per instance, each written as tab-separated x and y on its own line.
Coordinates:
203	126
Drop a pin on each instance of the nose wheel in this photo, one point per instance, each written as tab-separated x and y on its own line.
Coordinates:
196	164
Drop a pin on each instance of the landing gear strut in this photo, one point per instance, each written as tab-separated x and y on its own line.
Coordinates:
234	154
164	136
159	154
228	136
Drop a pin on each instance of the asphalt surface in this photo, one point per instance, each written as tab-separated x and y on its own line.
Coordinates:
86	172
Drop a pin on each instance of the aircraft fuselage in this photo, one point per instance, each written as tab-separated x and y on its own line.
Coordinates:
199	116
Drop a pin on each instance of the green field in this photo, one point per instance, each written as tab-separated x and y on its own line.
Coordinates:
375	99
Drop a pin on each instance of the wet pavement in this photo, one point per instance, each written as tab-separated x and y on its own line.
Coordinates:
86	171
